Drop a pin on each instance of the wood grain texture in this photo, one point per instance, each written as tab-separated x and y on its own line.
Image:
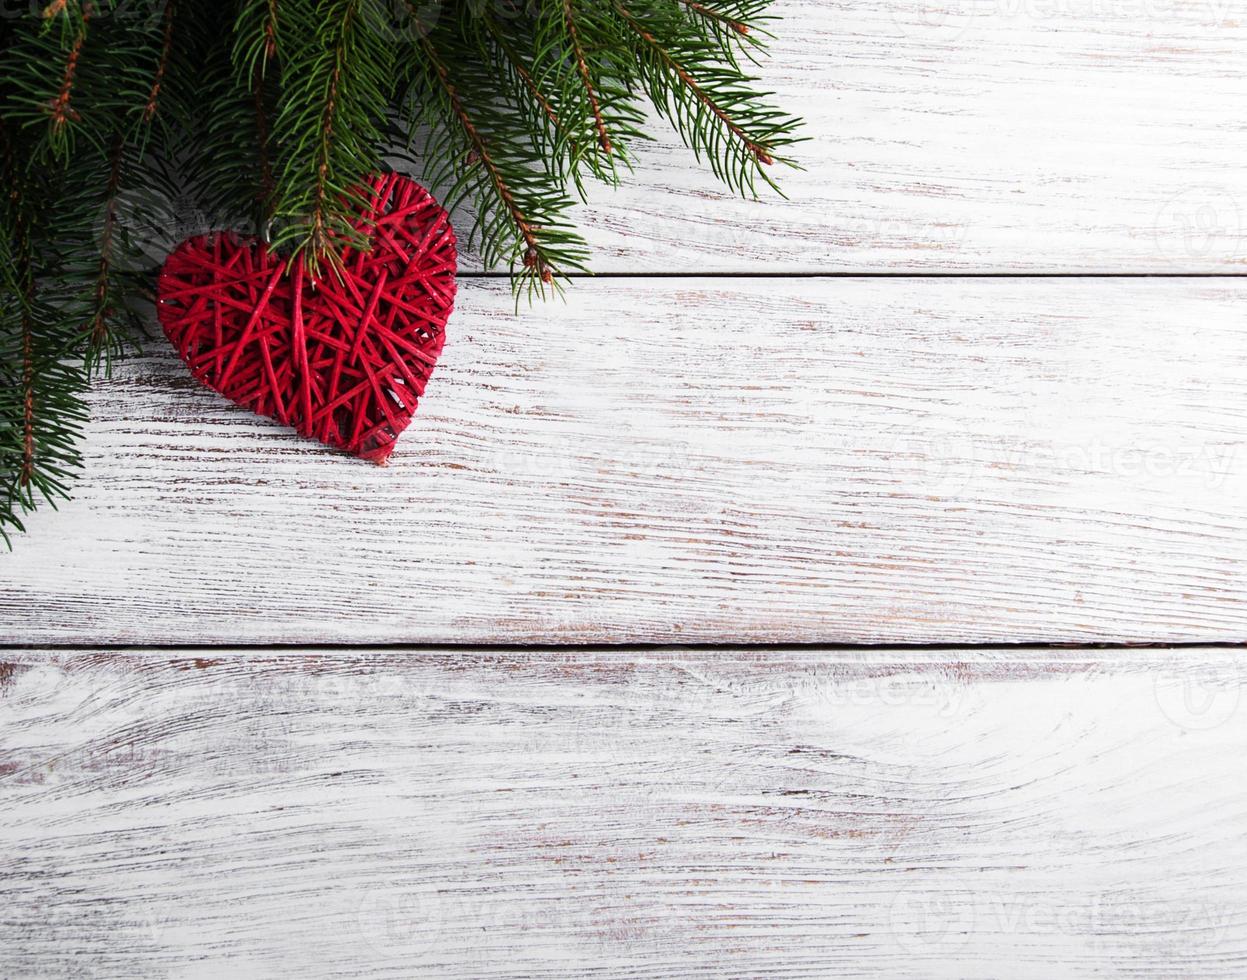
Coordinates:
785	459
843	460
970	135
938	814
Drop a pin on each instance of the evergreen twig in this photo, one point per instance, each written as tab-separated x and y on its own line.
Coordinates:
270	114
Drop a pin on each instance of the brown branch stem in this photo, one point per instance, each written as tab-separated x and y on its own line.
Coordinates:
570	19
21	235
270	32
525	76
28	390
60	109
760	152
162	66
533	254
319	235
739	27
98	332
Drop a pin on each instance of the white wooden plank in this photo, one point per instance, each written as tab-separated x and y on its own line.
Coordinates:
971	135
945	814
678	460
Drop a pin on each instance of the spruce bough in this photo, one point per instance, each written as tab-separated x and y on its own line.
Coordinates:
128	124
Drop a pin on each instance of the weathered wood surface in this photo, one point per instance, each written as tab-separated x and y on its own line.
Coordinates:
937	814
673	460
971	135
786	459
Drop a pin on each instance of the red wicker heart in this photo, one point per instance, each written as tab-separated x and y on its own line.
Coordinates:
343	360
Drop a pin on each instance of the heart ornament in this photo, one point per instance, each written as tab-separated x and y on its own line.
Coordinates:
344	359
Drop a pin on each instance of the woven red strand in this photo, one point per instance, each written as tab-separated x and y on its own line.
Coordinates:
343	360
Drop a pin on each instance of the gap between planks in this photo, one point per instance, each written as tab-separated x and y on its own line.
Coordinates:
621	651
866	274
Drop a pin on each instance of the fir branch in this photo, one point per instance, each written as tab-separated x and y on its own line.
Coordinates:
229	166
509	44
712	103
278	110
60	109
581	57
255	55
24	285
525	76
255	38
18	295
41	408
523	227
68	18
41	411
162	66
78	80
319	233
100	338
735	26
738	26
270	31
71	13
759	151
480	147
336	85
264	195
578	54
